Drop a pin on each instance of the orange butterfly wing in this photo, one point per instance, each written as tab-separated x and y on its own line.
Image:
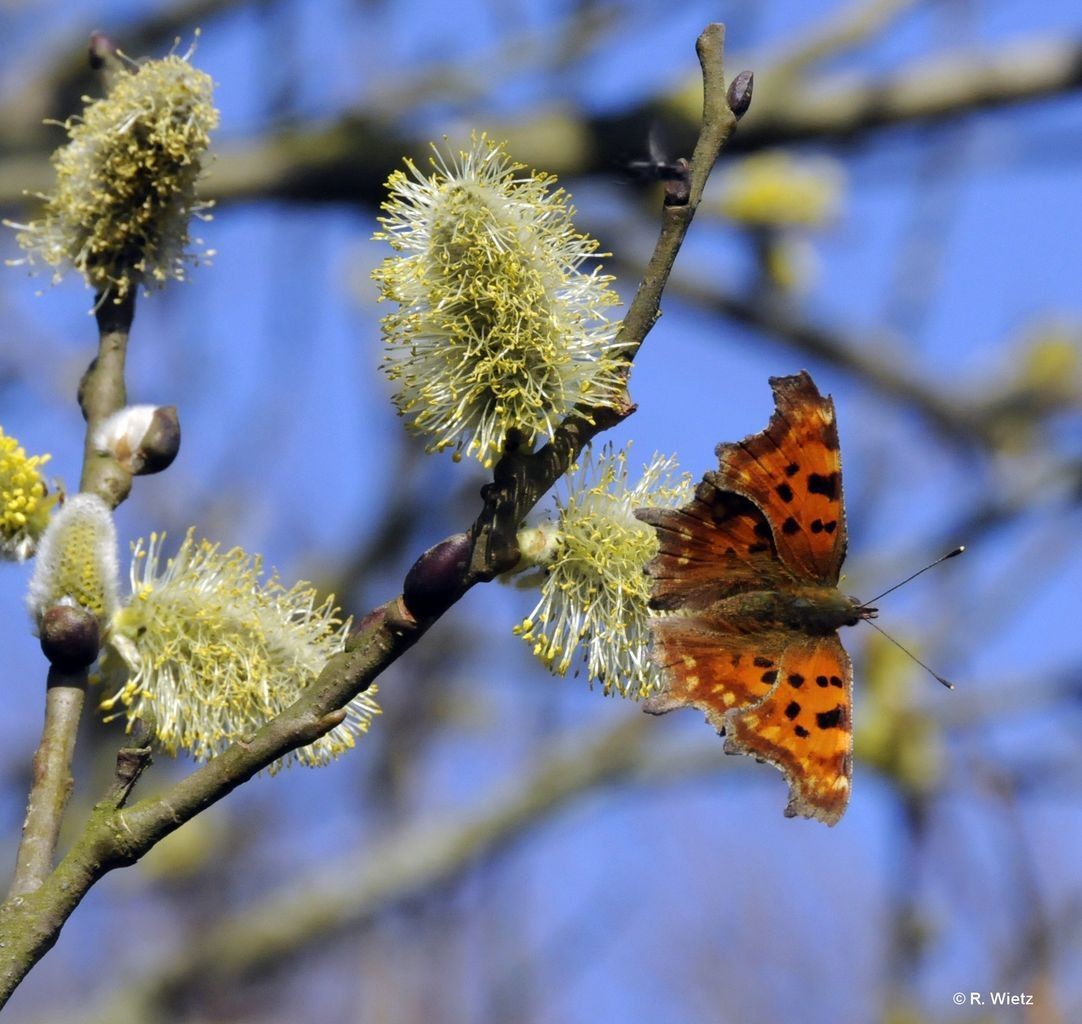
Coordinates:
804	727
715	547
710	666
764	535
793	472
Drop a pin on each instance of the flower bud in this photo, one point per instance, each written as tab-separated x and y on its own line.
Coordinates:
435	579
739	93
70	637
143	439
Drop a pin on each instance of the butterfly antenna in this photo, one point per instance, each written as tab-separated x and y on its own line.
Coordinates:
946	682
931	565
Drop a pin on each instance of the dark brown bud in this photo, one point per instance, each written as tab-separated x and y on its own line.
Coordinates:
435	579
101	48
70	637
142	438
739	94
160	443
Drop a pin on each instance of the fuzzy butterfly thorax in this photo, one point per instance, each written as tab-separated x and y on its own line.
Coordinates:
817	611
748	573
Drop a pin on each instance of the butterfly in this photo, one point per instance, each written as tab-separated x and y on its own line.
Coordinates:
748	576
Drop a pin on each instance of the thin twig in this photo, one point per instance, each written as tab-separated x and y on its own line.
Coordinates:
520	479
52	780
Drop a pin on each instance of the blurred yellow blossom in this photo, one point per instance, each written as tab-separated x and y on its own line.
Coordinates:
777	189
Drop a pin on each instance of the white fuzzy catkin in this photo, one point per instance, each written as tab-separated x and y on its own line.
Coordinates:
76	561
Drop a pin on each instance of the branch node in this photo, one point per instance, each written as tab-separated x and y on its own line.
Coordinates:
678	187
398	617
131	762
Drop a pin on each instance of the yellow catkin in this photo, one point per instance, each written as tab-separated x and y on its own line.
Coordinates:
126	180
499	325
209	651
25	504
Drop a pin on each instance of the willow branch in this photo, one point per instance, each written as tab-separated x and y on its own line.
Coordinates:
116	835
51	780
101	393
411	861
521	479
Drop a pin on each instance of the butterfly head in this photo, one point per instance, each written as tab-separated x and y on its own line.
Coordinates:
818	610
859	612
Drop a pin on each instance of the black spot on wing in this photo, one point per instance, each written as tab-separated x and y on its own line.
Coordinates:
833	719
824	485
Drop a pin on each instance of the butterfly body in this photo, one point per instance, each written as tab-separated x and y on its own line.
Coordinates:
749	573
817	611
